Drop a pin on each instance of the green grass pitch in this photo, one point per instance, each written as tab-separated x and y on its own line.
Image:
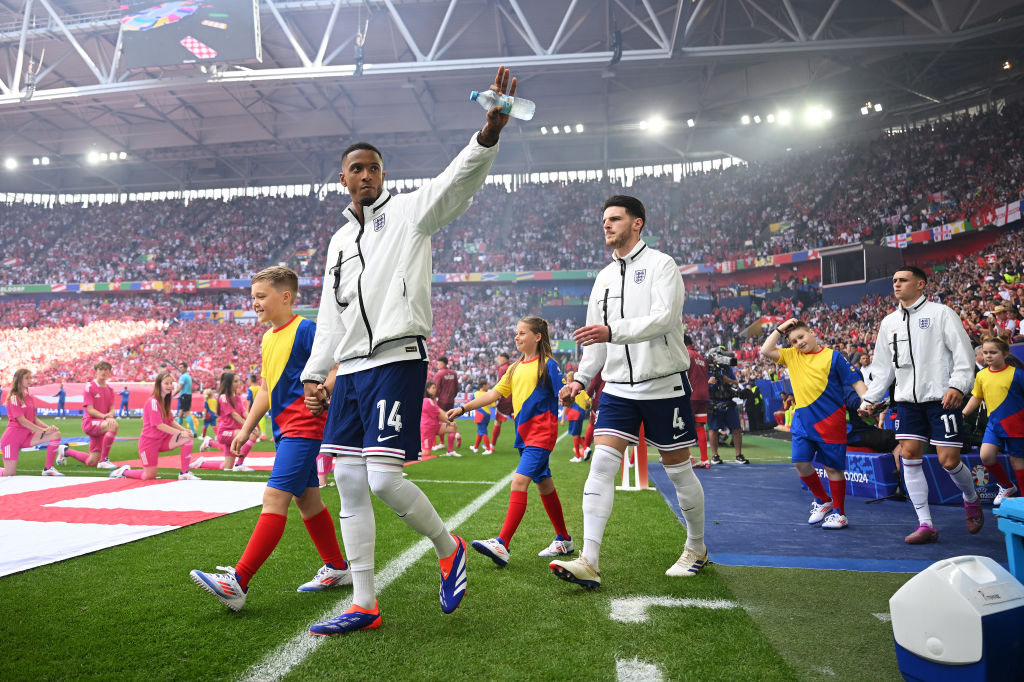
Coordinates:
130	612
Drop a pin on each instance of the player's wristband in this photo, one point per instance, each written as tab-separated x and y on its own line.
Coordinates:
463	408
779	330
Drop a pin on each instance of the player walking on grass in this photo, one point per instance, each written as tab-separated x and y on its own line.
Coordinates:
634	332
98	420
1001	387
482	417
160	433
533	382
447	382
820	377
24	428
575	415
923	347
374	317
231	413
503	412
297	432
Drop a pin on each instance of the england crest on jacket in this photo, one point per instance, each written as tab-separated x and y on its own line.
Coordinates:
378	222
639	275
924	322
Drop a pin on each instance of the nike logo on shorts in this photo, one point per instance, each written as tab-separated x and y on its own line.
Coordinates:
381	440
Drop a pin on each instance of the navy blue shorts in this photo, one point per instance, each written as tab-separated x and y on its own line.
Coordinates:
929	423
481	426
724	420
377	412
829	454
1014	447
576	426
533	462
295	466
668	423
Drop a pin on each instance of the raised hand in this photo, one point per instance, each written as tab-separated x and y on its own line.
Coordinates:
504	84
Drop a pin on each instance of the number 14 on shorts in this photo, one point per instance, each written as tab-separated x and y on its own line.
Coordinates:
394	417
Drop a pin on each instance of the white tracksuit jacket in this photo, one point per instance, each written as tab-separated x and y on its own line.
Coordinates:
926	349
377	282
640	298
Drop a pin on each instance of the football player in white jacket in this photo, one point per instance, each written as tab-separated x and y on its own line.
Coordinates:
373	322
924	347
634	336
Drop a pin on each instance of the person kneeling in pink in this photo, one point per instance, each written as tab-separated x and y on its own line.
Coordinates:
160	433
232	410
24	429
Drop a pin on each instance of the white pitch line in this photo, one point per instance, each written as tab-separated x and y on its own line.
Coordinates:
290	654
430	480
284	658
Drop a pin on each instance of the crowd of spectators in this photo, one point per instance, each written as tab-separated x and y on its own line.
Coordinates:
845	193
61	338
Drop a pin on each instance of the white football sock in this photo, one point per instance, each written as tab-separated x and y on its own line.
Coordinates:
358	527
598	496
964	480
409	502
690	495
917	489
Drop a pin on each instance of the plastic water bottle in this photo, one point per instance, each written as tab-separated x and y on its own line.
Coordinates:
516	107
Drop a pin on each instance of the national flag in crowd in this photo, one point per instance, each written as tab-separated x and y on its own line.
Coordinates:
942	233
780	227
146	257
990	258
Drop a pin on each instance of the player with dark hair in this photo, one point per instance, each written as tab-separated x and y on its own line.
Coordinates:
634	332
503	412
447	382
98	420
924	347
373	321
699	399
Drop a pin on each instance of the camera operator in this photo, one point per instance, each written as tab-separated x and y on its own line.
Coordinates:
724	415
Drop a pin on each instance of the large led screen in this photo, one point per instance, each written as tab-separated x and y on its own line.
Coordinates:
190	32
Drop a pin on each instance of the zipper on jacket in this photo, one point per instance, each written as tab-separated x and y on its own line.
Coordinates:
910	347
622	312
337	280
359	287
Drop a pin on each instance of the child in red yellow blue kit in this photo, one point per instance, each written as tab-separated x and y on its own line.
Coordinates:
819	376
533	382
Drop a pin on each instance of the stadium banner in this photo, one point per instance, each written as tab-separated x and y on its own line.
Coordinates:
942	490
868	474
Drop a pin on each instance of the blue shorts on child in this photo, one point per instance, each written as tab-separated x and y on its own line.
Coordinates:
533	462
829	454
295	466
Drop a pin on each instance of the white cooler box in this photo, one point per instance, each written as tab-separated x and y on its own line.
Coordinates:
960	619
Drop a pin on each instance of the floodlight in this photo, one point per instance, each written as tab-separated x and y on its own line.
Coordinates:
10	163
657	124
566	129
785	117
543	130
93	157
878	107
757	119
864	111
122	155
579	127
771	118
690	123
745	120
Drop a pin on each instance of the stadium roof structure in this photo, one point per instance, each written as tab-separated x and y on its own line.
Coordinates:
689	68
